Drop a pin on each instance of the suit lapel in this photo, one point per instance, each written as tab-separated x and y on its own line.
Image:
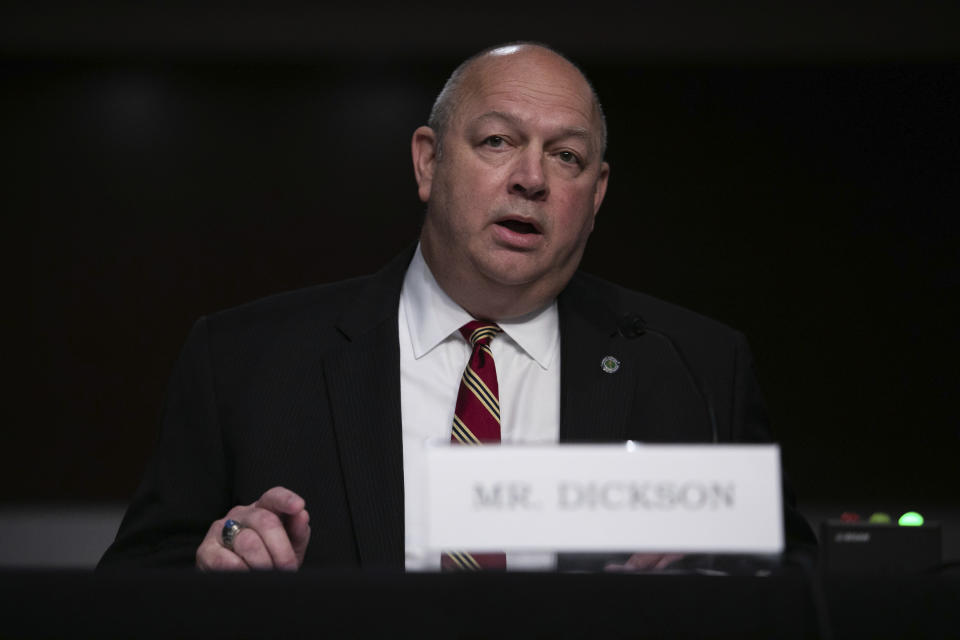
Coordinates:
650	397
595	404
363	380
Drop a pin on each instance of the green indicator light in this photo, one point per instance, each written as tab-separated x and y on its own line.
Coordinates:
911	519
881	518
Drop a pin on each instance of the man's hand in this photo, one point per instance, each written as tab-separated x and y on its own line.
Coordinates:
646	562
274	535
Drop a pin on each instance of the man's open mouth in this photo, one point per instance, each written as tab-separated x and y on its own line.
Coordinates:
518	226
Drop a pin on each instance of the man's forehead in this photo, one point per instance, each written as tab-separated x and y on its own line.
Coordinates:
537	77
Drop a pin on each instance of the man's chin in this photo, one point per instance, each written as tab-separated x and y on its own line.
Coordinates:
512	270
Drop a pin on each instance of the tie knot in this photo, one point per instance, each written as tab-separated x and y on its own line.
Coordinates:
479	332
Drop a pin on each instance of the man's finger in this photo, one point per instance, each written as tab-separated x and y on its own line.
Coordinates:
646	562
298	528
295	519
272	532
216	558
643	561
280	500
250	547
652	561
213	556
668	559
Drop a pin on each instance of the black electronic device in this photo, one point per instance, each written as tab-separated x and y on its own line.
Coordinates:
854	547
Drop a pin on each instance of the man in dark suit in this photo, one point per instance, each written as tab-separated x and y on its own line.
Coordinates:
315	398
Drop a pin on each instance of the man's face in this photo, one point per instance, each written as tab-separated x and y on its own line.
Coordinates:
513	195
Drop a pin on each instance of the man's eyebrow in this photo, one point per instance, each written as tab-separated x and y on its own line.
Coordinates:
568	132
498	115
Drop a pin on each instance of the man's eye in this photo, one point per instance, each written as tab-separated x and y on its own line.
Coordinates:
569	157
494	141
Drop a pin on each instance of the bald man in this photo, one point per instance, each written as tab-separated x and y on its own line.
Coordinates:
321	399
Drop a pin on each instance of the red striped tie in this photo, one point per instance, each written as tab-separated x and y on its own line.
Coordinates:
476	420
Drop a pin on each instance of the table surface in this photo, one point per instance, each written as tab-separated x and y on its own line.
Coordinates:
788	603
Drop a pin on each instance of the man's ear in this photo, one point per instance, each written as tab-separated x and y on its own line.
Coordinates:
424	150
600	189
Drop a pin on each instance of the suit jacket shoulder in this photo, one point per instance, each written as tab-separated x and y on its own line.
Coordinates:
655	313
681	377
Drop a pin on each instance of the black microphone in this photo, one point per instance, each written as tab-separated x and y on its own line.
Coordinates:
632	325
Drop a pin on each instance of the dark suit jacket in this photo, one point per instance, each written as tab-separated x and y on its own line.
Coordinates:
303	390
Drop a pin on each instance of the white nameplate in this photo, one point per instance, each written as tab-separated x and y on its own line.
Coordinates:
631	497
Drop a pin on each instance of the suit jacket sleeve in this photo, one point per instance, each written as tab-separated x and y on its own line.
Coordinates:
184	487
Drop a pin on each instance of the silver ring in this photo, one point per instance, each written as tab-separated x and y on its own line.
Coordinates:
230	530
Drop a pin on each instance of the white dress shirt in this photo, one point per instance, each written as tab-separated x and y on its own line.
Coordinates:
433	355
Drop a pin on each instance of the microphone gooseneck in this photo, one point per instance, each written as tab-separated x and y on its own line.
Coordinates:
632	325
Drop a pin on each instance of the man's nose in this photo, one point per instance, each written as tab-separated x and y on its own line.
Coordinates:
528	179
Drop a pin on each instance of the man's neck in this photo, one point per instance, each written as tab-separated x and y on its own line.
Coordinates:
489	300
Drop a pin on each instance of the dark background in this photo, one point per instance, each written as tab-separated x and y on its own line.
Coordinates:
794	173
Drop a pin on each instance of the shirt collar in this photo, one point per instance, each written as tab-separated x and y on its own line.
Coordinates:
432	316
